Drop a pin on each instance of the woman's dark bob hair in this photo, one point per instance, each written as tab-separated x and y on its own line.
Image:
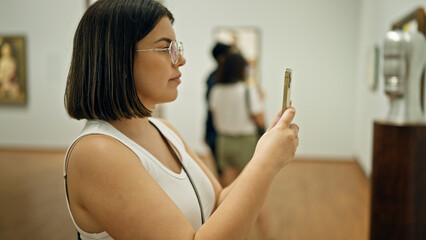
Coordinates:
100	82
233	69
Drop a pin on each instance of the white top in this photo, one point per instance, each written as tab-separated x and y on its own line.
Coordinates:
230	111
177	186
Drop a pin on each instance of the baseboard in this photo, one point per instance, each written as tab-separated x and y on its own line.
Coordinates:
32	150
326	159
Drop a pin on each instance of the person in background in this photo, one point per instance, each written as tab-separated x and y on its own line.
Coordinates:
220	50
130	176
237	112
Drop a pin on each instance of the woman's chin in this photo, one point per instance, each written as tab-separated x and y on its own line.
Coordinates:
170	98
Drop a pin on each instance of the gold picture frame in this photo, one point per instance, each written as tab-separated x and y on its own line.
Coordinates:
13	72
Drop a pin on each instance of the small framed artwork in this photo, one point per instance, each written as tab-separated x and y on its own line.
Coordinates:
373	67
13	77
245	40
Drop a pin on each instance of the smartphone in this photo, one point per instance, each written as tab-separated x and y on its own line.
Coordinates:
287	89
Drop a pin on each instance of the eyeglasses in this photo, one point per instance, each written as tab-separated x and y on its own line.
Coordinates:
175	50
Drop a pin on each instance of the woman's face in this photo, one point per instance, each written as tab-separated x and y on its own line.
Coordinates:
156	77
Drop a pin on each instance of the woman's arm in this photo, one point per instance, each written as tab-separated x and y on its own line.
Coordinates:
239	204
259	120
110	190
256	98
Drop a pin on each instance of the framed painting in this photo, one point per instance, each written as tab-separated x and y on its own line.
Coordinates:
373	67
245	40
13	76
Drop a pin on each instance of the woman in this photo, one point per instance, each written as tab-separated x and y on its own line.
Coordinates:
129	176
237	112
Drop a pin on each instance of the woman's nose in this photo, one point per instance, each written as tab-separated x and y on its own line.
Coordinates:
181	61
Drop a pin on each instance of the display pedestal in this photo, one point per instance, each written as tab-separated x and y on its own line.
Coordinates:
398	199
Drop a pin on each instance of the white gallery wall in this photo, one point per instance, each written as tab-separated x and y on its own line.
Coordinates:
325	42
48	26
317	39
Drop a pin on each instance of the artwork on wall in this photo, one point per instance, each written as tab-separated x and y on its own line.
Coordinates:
373	67
13	86
245	40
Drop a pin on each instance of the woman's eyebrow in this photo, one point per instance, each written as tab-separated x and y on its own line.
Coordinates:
164	39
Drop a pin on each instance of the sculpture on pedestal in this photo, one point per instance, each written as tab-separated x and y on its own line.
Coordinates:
404	63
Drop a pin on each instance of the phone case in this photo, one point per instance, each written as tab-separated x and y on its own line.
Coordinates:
287	89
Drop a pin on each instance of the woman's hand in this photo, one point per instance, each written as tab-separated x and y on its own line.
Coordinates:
278	145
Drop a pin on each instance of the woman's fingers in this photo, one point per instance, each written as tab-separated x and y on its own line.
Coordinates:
295	130
284	119
275	120
287	118
294	127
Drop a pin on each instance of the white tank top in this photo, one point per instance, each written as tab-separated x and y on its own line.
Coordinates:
230	105
177	186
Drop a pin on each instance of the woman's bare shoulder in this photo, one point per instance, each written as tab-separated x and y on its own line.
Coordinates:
97	143
96	151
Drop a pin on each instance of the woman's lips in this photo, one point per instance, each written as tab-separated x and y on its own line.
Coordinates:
176	78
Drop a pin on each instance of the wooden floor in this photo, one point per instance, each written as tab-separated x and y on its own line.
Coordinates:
309	200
